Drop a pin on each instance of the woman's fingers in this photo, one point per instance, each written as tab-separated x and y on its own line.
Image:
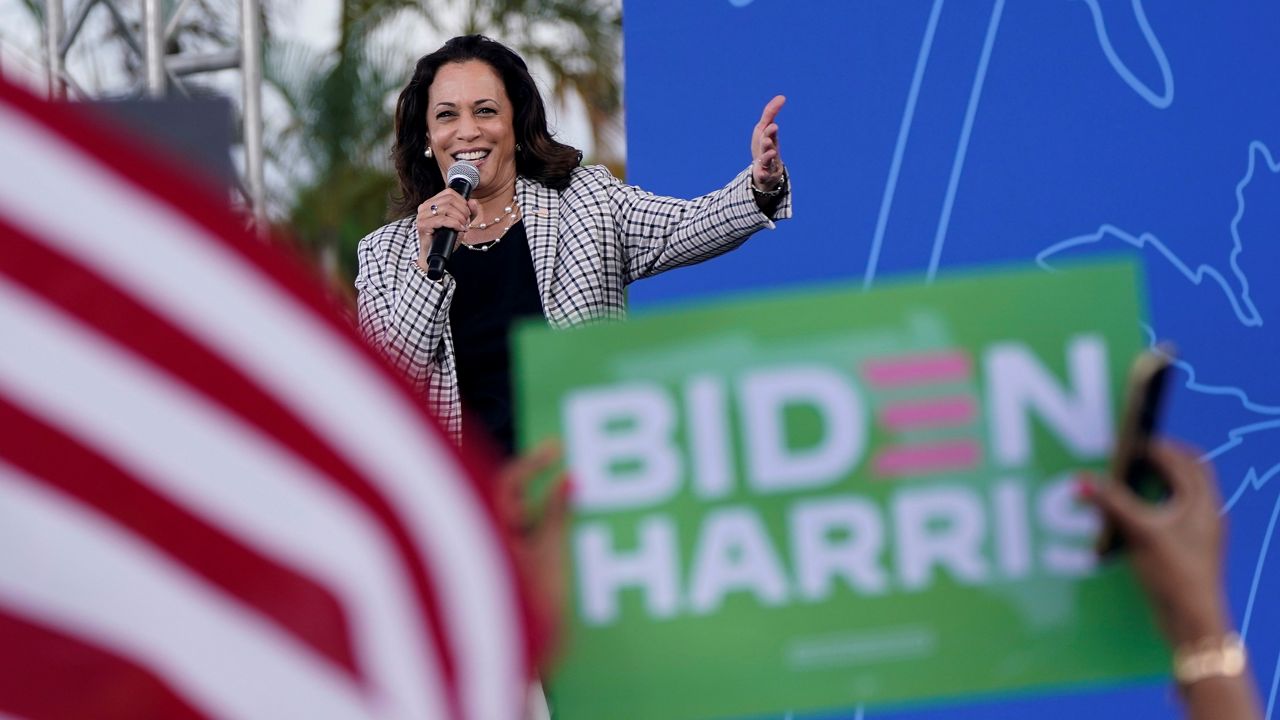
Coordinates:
443	213
771	109
765	133
446	220
767	145
519	472
1193	493
516	476
1121	506
446	209
555	518
1188	478
765	141
765	158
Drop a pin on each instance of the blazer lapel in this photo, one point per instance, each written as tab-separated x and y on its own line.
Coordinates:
540	209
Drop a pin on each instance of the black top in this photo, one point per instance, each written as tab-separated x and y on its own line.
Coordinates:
494	289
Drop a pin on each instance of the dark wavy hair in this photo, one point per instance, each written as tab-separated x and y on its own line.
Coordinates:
540	158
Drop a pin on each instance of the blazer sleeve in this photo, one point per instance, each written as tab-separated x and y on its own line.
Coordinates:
660	233
401	311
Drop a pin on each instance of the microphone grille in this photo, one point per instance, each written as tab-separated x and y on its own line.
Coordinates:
465	171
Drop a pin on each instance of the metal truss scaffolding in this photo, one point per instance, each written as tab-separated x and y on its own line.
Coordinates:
163	72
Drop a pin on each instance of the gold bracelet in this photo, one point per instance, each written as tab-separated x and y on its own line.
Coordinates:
1209	658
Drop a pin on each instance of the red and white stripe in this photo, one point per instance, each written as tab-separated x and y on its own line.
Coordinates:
209	489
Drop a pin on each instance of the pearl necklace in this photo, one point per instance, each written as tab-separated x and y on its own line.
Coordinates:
510	211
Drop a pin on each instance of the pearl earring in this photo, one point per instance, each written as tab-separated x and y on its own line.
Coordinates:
427	152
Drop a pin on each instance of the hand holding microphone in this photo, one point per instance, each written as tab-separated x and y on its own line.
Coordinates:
446	214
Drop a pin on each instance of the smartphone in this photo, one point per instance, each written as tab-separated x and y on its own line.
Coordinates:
1130	462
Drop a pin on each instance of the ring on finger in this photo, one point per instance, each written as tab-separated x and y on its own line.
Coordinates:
435	209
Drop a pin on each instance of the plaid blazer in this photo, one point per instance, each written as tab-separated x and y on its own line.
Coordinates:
588	242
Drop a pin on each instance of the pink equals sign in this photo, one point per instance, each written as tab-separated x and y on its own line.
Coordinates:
914	370
939	413
927	458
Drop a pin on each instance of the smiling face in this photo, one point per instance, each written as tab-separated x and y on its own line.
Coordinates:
469	117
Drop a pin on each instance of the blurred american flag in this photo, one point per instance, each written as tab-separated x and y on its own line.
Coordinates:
215	502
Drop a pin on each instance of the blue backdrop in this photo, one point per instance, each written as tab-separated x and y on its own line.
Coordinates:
924	135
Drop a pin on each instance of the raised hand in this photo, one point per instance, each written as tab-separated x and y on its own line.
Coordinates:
766	162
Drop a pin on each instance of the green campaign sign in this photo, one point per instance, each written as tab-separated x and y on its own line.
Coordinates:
830	498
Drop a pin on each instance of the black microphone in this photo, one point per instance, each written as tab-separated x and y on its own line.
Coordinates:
462	178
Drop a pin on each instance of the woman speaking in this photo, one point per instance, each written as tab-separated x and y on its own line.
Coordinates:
538	235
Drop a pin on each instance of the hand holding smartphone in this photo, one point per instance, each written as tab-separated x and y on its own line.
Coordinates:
1130	462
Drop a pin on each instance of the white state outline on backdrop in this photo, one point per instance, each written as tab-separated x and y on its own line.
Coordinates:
1166	72
1242	306
1252	318
908	118
962	148
900	146
1246	312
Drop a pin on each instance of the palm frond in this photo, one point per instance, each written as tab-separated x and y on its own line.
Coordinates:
340	105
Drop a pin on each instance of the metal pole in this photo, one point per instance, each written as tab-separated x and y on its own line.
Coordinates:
251	44
210	62
73	28
153	44
174	19
53	22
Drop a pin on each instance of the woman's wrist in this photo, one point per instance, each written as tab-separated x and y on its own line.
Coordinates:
1193	621
770	190
769	200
